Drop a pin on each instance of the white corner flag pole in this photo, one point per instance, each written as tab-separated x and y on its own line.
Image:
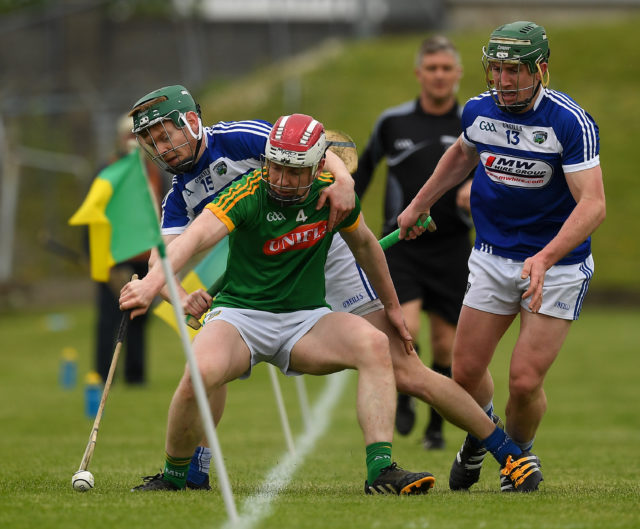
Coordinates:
304	402
198	387
284	419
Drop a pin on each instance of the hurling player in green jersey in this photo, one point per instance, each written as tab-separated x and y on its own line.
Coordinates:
272	307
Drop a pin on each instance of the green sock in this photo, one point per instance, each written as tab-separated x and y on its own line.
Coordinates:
378	457
175	470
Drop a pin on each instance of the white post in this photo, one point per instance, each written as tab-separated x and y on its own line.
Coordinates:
198	387
281	409
304	402
9	185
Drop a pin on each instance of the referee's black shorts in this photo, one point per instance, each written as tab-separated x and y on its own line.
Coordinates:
434	271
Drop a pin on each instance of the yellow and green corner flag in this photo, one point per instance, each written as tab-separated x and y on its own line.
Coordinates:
120	213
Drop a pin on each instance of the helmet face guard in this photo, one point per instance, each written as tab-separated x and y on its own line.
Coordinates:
286	184
518	43
294	149
170	147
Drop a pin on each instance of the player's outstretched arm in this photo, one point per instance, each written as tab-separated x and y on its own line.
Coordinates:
371	258
454	166
202	234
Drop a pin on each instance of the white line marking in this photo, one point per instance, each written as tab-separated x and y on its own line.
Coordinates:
259	505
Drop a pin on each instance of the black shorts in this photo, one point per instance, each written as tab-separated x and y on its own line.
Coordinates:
436	273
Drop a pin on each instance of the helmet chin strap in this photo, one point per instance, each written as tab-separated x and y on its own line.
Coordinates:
195	136
198	137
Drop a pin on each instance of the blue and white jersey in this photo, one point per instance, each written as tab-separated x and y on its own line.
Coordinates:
520	197
231	149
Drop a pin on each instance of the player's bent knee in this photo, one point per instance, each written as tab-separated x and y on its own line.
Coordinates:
465	375
374	348
524	387
185	387
210	381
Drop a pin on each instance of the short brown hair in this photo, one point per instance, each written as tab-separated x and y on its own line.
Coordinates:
434	44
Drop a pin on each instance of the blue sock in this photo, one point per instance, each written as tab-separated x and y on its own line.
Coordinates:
501	445
488	409
474	441
199	467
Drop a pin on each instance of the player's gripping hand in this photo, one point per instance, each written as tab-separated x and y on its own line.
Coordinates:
136	296
534	268
342	199
197	303
407	223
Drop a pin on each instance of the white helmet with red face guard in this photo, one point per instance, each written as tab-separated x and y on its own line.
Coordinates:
295	141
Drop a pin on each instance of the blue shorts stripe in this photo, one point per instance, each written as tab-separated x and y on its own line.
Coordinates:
365	283
588	273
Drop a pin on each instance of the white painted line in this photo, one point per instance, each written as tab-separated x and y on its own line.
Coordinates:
258	506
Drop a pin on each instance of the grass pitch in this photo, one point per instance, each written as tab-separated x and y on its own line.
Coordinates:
588	442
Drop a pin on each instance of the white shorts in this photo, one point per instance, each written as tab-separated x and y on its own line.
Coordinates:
495	286
270	336
347	286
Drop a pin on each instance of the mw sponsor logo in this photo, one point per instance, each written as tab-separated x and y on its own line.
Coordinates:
302	237
515	171
562	305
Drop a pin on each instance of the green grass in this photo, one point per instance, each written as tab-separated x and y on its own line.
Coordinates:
588	442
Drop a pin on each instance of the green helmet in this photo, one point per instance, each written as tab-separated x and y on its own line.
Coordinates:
172	102
523	42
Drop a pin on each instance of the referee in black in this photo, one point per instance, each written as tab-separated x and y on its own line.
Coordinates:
429	273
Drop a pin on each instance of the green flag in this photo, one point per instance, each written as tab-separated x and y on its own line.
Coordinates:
120	213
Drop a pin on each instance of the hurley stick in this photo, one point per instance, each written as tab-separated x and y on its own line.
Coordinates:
93	436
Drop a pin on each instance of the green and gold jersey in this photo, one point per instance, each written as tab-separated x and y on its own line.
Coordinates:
276	253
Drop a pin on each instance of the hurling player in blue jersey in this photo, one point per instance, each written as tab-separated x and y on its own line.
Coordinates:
536	198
